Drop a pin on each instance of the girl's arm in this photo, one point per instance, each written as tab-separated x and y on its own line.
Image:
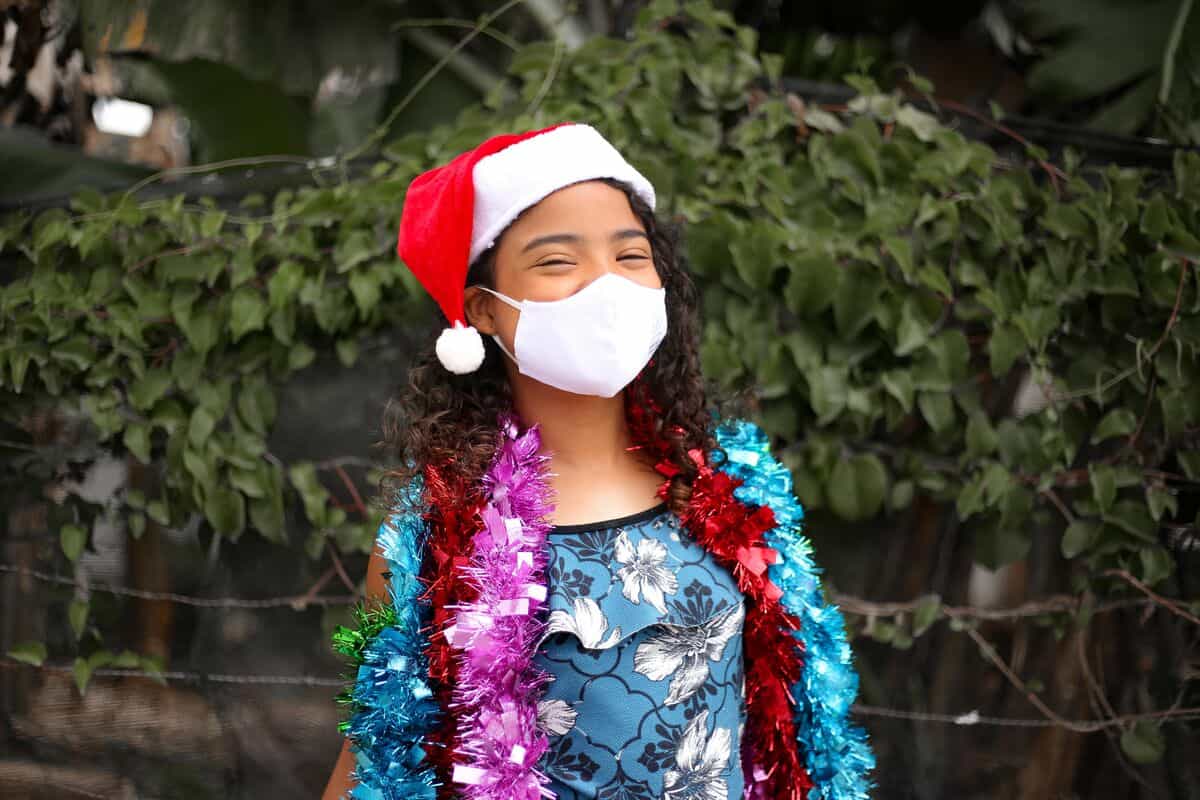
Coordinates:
376	589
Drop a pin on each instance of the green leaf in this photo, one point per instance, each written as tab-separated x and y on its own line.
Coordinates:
226	510
1143	743
899	384
913	329
1156	564
29	653
284	285
1005	345
347	351
147	390
855	301
304	478
857	487
1118	422
300	356
997	544
137	439
1104	485
75	352
1133	518
970	498
901	249
981	438
936	279
157	511
256	404
266	513
900	496
1079	536
72	538
1066	222
755	254
827	392
137	524
82	672
241	267
1159	500
201	426
199	467
211	222
928	609
248	312
812	284
127	659
202	328
77	614
1190	461
354	249
365	286
937	409
923	124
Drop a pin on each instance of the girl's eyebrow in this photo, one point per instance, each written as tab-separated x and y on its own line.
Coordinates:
574	238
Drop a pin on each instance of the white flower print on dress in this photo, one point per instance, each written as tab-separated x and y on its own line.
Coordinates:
644	573
588	623
685	650
555	716
700	763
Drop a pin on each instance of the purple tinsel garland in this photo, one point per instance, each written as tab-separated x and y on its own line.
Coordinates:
499	687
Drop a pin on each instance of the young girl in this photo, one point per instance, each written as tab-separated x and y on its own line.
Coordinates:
587	585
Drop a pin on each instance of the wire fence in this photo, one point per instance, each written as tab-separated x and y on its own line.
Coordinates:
969	718
849	604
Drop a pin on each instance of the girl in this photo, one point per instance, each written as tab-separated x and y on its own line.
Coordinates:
587	586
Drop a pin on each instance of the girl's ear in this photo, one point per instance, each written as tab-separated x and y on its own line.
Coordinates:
480	310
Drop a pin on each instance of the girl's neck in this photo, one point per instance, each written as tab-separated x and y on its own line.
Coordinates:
579	432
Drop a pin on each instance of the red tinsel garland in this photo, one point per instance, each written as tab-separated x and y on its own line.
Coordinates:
733	532
453	518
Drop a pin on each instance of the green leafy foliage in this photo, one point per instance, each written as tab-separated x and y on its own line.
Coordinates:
1135	56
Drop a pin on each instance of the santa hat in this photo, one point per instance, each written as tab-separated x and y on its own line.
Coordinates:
454	212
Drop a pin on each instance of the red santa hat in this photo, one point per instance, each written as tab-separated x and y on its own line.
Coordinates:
454	212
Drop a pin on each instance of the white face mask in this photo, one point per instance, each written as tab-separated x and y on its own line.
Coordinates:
593	342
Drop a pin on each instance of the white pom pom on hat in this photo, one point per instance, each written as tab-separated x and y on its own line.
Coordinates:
460	348
454	212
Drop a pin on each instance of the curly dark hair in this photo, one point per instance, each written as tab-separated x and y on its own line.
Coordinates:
449	420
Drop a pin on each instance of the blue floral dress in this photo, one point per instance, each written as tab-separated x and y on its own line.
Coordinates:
644	643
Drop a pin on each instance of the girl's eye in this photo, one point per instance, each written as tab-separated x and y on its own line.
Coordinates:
630	256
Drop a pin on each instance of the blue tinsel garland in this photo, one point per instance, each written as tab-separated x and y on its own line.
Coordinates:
394	706
836	751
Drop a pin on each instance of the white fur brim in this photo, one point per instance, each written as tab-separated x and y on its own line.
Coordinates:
511	180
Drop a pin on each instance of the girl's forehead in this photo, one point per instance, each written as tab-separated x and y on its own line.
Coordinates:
586	203
585	206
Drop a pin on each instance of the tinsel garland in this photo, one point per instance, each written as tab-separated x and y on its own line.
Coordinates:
392	704
453	518
732	531
836	750
498	684
797	743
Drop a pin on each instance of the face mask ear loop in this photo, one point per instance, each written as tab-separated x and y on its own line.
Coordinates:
502	297
505	299
500	344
